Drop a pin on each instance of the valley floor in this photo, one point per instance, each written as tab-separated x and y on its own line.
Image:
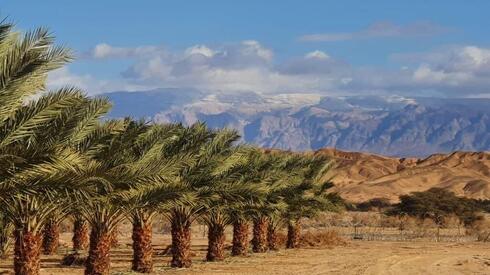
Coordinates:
357	257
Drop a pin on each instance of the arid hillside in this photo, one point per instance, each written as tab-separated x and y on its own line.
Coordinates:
361	176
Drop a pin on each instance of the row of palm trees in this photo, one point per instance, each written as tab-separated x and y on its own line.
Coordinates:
59	158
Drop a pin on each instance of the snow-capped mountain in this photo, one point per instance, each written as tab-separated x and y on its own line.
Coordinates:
392	125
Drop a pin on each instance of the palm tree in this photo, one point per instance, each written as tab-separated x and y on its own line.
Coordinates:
295	191
259	240
234	192
281	169
147	200
241	228
257	173
199	179
41	170
33	134
90	146
111	160
80	233
307	197
37	175
154	195
127	160
51	229
142	245
275	224
51	236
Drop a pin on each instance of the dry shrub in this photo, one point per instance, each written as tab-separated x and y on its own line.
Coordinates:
452	221
389	221
360	219
480	229
421	228
321	239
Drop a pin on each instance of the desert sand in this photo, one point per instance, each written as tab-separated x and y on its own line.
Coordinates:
356	257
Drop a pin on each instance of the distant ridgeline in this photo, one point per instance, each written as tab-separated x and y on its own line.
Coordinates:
392	126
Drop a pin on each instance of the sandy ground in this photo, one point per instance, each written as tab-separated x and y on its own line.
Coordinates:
357	257
361	258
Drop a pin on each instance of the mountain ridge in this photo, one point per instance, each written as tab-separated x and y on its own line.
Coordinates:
391	125
360	177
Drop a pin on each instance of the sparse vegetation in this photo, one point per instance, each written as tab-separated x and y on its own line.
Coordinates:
376	204
438	205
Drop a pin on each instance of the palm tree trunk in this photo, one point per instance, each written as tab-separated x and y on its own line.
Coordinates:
216	242
51	237
27	252
240	238
294	234
181	240
259	240
114	237
142	248
80	234
272	237
98	261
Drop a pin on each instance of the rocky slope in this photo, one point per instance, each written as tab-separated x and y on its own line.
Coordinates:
393	126
360	176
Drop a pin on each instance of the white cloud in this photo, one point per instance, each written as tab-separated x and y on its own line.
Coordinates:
317	54
104	50
63	77
248	65
466	67
200	49
316	63
199	60
252	47
451	71
379	29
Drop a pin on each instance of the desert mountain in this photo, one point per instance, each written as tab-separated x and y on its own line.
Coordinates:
359	177
392	126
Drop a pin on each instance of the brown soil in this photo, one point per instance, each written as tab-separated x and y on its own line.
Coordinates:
356	257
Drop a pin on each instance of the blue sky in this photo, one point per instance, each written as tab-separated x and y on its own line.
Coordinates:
430	48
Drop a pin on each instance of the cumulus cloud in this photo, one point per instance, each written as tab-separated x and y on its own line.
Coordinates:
91	85
200	49
316	63
251	66
450	71
317	55
104	51
240	66
378	30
